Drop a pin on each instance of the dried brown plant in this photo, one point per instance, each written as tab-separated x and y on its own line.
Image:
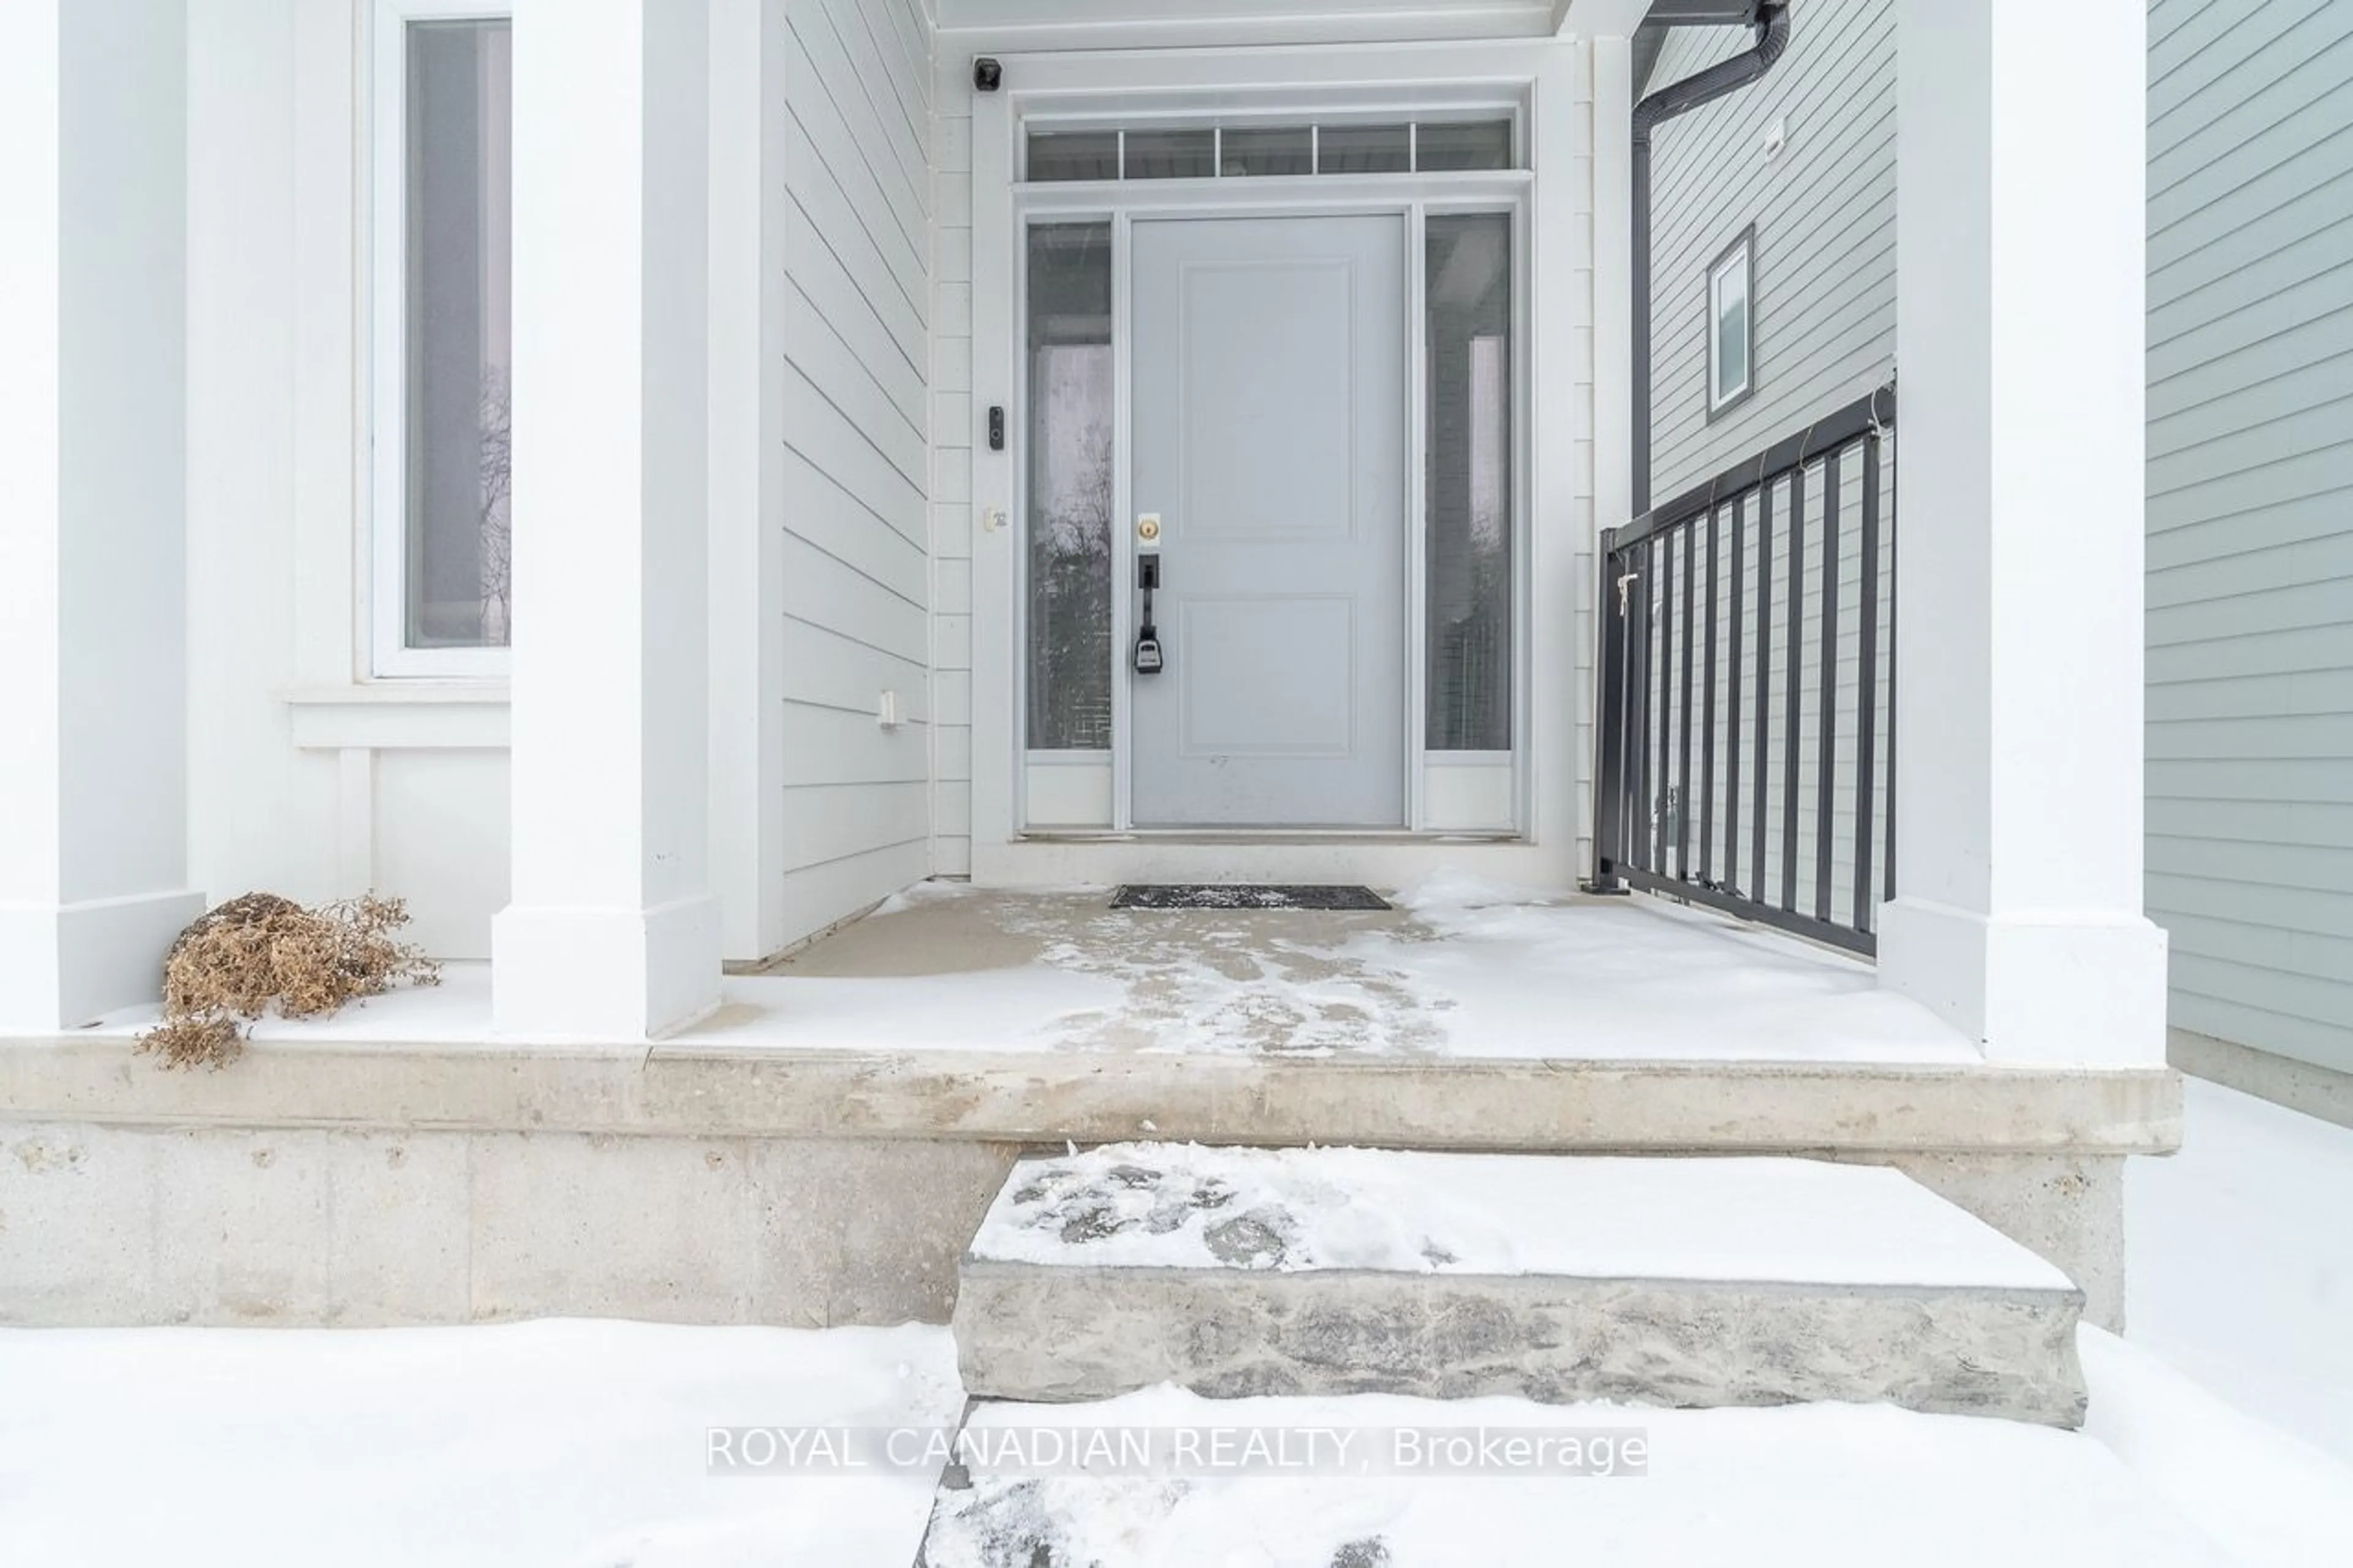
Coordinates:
240	959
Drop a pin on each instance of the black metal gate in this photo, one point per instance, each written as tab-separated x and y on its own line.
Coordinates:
1748	725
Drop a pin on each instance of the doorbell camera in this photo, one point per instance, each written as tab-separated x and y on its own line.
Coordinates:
986	75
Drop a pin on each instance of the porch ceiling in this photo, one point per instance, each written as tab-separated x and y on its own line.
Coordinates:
1262	21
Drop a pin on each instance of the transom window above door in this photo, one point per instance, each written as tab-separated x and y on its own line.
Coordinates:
1055	154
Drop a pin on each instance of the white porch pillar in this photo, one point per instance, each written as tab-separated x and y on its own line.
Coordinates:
748	282
2020	233
612	932
93	585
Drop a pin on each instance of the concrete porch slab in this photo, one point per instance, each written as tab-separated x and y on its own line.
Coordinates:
1459	968
933	1080
1690	1283
1458	971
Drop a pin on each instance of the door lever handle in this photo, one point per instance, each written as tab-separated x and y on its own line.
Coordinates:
1149	659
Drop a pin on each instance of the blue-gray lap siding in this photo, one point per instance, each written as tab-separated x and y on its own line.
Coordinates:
1824	207
2250	517
2250	503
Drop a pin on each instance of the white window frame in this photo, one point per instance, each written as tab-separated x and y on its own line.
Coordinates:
383	555
1740	255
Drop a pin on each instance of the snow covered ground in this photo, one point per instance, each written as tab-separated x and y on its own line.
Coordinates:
568	1445
2240	1261
575	1445
1809	1484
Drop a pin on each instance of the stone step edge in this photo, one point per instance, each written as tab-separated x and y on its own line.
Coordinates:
2005	1351
994	1269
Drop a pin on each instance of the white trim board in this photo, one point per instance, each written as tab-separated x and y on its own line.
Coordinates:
1556	198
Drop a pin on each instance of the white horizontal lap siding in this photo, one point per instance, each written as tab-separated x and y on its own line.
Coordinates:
951	518
857	467
1824	210
2250	518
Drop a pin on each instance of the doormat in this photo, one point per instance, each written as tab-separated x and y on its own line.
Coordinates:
1239	896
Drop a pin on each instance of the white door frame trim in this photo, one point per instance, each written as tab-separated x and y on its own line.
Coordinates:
1413	512
1541	81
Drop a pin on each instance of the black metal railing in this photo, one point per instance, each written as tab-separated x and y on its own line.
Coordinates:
1748	733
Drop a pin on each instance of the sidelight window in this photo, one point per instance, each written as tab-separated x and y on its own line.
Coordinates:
443	563
1469	476
1070	486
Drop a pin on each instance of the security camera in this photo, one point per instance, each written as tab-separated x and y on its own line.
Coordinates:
986	74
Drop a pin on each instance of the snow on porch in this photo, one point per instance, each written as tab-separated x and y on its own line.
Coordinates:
1459	969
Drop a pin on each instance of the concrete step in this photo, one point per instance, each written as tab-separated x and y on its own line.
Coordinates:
1685	1282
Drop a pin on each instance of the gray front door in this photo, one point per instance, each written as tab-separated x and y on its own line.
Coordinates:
1267	412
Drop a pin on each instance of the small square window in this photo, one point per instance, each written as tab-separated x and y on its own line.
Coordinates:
1267	150
1448	147
1182	153
1364	150
1732	324
1056	156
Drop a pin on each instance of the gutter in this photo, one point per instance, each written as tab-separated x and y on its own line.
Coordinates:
1771	22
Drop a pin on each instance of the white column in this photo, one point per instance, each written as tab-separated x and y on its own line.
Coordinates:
612	932
93	416
748	38
2019	343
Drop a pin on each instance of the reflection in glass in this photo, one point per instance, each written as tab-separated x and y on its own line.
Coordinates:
1447	148
1073	155
1468	694
1267	150
1364	150
1070	486
459	568
1190	153
1730	355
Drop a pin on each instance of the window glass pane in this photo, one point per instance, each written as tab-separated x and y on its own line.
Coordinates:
1483	145
1267	150
1468	694
457	572
1070	486
1074	155
1731	356
1184	154
1362	150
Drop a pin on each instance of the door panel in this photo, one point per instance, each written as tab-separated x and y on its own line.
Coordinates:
1263	671
1268	394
